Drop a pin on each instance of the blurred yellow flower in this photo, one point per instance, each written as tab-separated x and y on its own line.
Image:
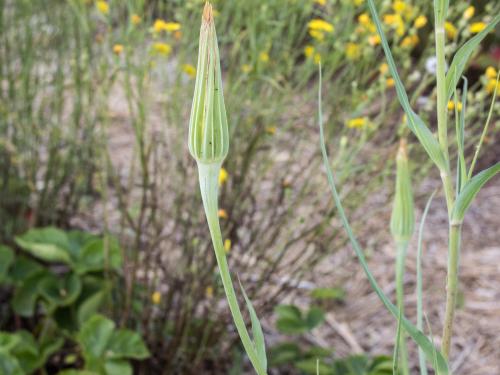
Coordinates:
102	6
396	22
189	69
399	6
451	30
491	72
374	40
222	214
477	27
320	2
451	106
352	50
389	82
357	122
160	25
491	85
364	19
308	51
156	298
410	41
317	58
383	68
420	22
162	48
209	292
264	57
318	35
358	2
246	68
320	25
223	175
117	49
227	245
469	12
135	19
271	130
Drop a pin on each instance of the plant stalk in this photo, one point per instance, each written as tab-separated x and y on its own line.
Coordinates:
402	247
451	286
208	174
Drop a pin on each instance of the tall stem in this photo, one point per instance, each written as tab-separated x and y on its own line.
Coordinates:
402	247
209	174
451	286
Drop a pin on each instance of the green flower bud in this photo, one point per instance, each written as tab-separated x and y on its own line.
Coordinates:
402	219
208	130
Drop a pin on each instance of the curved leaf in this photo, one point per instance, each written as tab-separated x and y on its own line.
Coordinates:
48	244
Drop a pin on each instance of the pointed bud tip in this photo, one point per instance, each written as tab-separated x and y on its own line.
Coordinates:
402	151
208	15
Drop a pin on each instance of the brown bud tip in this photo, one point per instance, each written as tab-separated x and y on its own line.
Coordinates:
208	15
402	151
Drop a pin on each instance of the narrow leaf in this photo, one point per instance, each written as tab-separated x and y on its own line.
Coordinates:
460	129
470	191
463	54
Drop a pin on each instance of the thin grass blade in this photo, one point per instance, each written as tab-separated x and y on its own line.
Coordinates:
460	129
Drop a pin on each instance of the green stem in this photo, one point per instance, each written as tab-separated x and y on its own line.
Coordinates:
451	286
209	174
402	247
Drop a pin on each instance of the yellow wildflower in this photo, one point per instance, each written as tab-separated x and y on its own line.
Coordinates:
246	68
420	22
320	2
364	19
451	106
161	25
156	298
399	6
383	68
491	85
451	30
358	2
209	292
189	69
491	72
102	6
410	41
117	49
318	35
222	214
227	245
308	51
477	27
352	50
396	22
469	12
320	25
223	175
264	57
317	58
374	40
389	82
135	19
162	48
271	130
357	122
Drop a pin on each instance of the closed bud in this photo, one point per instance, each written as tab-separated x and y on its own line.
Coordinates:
402	219
208	129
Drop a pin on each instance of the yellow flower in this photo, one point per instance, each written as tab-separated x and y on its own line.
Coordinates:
308	51
477	27
162	48
383	68
222	214
451	106
410	41
374	40
364	19
135	19
420	22
318	35
156	298
399	6
320	25
396	22
357	122
223	175
317	58
161	25
264	57
117	49
469	12
451	30
227	245
390	82
491	72
491	85
320	2
189	69
246	68
102	6
209	292
352	50
358	2
271	130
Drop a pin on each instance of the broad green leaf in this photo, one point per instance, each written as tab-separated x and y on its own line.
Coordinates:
117	367
328	293
415	123
23	268
258	336
310	366
463	54
26	295
470	191
126	344
8	341
416	335
95	335
48	244
97	253
9	365
288	311
27	352
284	353
60	290
315	316
91	304
77	240
6	260
77	372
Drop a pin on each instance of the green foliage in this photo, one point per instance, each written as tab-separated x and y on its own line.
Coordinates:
291	320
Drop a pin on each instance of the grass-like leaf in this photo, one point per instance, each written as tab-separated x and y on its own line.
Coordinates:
460	129
421	340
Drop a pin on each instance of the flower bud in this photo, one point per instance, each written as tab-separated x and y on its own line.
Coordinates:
208	129
402	219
